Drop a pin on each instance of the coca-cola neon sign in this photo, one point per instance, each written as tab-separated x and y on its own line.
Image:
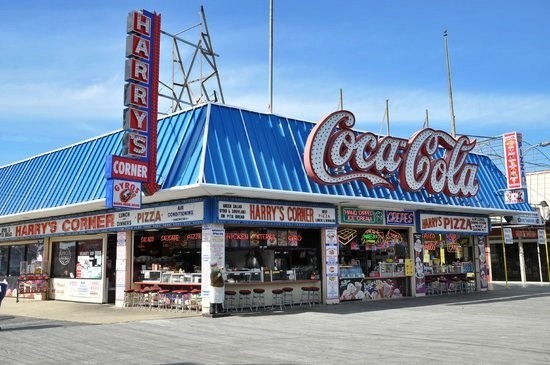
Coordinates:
335	154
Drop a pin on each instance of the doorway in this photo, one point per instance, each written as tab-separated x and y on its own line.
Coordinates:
110	269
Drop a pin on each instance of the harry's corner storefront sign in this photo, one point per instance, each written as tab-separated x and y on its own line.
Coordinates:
126	174
336	154
182	214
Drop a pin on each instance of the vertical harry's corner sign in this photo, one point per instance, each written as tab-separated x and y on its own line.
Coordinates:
135	171
336	154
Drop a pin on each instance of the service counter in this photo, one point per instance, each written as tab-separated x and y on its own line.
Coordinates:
168	286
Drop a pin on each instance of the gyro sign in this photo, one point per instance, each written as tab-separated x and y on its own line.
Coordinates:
139	142
336	154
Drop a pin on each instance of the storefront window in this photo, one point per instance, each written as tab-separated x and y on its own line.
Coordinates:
17	255
4	256
63	259
34	257
88	265
82	259
371	249
447	253
372	263
279	254
176	251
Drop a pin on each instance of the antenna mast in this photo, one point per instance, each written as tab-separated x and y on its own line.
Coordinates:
387	117
270	105
453	130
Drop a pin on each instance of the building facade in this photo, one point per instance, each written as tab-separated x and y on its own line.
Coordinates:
275	201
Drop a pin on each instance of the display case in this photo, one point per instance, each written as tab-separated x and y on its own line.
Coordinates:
348	272
244	276
387	269
153	276
279	275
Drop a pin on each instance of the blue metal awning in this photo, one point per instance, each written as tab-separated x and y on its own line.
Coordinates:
220	146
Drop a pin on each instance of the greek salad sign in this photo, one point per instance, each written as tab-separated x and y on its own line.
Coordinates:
171	215
453	223
275	213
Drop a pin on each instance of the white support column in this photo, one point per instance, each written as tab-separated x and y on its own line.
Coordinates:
521	260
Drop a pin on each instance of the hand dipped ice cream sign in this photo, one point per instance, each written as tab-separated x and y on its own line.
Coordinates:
335	154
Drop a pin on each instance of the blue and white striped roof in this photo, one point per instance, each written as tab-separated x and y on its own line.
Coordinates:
220	150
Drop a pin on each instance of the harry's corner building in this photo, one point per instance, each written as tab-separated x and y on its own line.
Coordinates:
328	213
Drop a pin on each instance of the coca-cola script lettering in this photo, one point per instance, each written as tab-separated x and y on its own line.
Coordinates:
335	154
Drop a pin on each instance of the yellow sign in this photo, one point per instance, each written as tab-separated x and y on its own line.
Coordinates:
409	268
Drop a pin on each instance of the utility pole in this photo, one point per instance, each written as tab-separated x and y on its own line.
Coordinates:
387	117
270	106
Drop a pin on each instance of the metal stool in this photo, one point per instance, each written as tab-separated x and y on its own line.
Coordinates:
443	284
305	297
288	294
194	300
129	298
164	300
470	284
258	298
153	297
432	286
315	297
177	299
245	299
143	298
455	285
230	300
277	299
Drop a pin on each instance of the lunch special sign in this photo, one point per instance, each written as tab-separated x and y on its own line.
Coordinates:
187	213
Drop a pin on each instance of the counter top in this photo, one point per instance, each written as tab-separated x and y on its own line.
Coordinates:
275	282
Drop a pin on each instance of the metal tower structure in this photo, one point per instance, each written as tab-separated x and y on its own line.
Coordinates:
194	74
535	158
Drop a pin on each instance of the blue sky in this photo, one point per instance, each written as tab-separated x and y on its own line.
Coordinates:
62	64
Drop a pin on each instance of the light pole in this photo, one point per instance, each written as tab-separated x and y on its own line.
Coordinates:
540	144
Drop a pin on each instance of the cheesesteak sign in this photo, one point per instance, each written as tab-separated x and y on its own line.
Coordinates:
335	154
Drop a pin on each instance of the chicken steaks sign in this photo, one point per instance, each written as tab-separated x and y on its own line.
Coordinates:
336	154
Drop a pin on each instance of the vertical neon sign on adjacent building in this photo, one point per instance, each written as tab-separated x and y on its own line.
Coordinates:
515	172
136	168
